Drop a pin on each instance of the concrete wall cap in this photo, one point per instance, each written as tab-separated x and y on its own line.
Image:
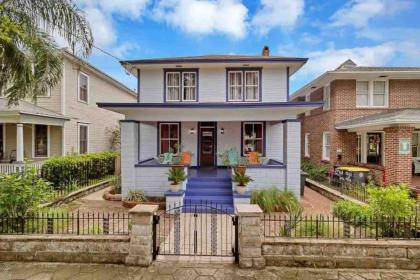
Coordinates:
144	209
248	210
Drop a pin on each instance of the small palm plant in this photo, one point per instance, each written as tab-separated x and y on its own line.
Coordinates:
242	180
176	176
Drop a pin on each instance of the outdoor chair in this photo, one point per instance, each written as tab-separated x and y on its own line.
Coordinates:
253	158
233	158
167	158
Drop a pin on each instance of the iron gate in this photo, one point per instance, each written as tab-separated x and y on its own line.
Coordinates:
196	230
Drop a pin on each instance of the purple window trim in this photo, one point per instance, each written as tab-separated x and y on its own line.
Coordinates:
288	82
242	135
138	85
182	70
158	134
243	70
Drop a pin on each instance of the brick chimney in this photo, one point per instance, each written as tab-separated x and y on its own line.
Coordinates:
266	51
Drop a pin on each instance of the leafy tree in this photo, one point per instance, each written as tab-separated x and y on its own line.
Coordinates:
21	193
30	62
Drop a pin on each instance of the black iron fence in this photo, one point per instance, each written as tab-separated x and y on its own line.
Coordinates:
75	223
281	225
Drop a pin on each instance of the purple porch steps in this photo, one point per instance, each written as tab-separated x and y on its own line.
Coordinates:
215	192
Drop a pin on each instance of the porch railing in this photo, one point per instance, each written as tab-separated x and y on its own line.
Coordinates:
10	168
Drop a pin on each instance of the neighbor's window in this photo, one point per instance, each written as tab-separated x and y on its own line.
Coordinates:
374	148
359	148
168	137
181	86
326	145
83	138
235	86
371	93
253	137
327	97
415	144
83	87
41	141
251	85
307	145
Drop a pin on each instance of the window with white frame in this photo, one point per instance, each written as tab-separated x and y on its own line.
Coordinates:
374	148
327	97
326	145
83	138
253	137
168	137
371	93
40	140
251	85
307	145
415	144
359	148
235	85
83	94
181	86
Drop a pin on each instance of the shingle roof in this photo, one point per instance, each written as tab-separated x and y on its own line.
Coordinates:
28	109
369	68
388	116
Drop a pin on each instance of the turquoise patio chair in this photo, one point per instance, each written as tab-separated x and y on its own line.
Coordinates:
167	158
233	157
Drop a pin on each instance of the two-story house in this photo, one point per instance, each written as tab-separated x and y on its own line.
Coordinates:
65	119
208	104
370	118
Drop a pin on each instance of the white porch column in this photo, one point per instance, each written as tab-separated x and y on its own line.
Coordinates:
129	154
291	155
19	142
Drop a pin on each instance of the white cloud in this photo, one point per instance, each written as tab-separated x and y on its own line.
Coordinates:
329	59
204	17
132	8
358	13
276	13
102	27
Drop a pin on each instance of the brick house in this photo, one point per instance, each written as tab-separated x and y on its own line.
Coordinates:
370	118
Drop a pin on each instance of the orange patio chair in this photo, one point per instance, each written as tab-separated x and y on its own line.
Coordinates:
185	158
253	158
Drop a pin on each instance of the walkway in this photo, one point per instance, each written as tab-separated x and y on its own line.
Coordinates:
185	271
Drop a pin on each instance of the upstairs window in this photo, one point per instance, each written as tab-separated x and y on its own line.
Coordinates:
243	85
181	86
371	93
327	97
83	94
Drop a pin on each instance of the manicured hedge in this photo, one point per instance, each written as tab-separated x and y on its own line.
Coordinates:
78	169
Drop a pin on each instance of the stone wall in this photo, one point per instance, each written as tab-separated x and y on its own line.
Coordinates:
370	254
64	248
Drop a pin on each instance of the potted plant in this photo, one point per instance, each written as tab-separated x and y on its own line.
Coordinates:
133	198
242	181
176	176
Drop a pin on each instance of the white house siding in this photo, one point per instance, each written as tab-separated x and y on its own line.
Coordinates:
212	85
148	140
151	86
189	141
274	85
274	142
129	155
230	139
265	178
291	138
52	102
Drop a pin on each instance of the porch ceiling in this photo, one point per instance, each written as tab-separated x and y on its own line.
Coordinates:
211	111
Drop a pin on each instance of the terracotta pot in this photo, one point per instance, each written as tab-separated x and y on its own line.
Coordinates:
130	204
112	197
240	169
240	189
174	188
177	166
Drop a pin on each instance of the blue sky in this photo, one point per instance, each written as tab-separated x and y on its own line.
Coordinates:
371	32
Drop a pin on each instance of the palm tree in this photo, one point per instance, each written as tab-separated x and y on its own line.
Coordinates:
30	62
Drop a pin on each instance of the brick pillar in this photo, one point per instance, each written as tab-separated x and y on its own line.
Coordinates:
141	243
291	155
250	236
397	166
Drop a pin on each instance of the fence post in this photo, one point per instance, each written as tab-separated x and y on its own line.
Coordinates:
141	242
50	225
250	236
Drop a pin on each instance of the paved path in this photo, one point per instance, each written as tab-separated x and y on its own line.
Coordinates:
185	271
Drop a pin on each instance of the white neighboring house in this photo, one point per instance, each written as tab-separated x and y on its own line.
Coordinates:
63	121
209	104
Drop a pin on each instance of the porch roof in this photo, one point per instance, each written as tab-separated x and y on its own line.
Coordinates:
384	119
26	112
262	111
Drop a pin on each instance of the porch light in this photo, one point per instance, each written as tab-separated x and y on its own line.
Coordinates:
192	130
222	131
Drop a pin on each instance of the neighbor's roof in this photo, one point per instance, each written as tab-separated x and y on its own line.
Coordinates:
26	108
349	67
397	116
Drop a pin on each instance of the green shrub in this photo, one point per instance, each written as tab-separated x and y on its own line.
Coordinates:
241	178
273	199
116	185
78	169
21	193
136	195
314	171
310	228
350	211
